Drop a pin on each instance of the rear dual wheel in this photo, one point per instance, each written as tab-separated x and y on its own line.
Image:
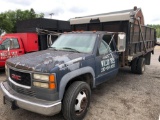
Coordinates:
134	65
141	66
138	65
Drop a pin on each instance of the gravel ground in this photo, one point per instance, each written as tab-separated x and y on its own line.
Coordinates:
127	97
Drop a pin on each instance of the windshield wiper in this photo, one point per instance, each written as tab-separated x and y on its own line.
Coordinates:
54	48
71	49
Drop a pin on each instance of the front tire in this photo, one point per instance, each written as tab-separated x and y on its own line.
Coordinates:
76	101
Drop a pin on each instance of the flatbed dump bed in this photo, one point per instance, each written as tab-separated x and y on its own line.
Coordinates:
140	39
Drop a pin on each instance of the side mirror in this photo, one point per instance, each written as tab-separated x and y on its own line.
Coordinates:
121	44
2	47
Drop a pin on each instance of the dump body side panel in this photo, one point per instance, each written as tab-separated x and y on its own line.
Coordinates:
135	45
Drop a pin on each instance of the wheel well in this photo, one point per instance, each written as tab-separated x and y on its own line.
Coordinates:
88	78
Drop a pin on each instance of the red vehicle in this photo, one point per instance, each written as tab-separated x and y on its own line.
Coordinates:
28	40
15	44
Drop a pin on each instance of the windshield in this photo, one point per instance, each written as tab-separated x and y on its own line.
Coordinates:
75	42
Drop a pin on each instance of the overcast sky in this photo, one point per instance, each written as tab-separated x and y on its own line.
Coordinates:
66	9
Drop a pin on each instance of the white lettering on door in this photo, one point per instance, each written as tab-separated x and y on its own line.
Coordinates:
6	55
108	63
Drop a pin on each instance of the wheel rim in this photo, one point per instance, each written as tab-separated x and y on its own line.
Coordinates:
81	102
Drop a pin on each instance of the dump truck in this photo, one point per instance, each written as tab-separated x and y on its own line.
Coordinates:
61	77
32	35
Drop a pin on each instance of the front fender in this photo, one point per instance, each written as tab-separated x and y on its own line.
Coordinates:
66	78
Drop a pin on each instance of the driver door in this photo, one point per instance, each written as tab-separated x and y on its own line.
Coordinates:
106	59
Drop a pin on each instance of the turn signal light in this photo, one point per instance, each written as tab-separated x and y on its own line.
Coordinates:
52	85
52	78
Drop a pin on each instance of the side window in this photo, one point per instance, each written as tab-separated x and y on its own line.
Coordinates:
12	43
104	48
6	44
15	43
106	45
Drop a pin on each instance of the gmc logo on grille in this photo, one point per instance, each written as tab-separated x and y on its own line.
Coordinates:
16	77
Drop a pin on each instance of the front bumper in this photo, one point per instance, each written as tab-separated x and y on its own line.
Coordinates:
30	103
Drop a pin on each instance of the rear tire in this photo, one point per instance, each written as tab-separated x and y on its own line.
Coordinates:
134	65
76	101
141	65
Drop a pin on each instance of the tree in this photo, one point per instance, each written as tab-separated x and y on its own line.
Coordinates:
157	27
9	19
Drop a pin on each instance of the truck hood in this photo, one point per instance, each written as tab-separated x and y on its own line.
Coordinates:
44	61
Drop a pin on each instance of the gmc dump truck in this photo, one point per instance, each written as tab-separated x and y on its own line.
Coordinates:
61	77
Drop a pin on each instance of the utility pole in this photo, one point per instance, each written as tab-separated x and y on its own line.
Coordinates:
51	14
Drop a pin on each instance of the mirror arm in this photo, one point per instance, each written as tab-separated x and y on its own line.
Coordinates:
111	39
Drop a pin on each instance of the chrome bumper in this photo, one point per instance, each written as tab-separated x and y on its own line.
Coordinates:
30	103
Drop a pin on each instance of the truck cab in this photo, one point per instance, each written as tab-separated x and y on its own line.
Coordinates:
16	44
76	62
10	46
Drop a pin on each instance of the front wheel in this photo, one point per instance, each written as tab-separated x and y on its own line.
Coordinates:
76	101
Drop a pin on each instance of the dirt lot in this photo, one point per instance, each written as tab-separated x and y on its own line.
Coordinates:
127	97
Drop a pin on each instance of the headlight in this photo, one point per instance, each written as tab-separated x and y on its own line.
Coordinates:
48	81
41	77
39	84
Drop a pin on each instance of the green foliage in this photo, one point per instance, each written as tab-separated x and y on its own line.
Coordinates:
157	27
9	19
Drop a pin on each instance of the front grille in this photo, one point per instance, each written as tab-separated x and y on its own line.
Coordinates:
20	77
24	91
